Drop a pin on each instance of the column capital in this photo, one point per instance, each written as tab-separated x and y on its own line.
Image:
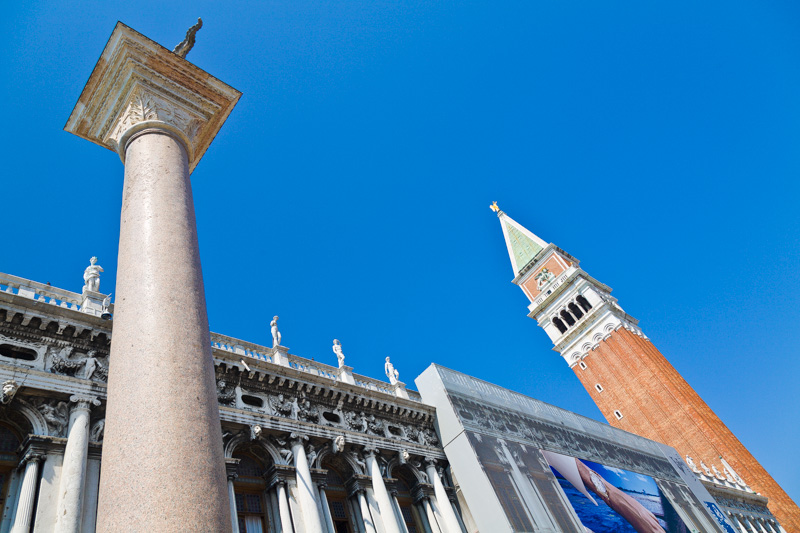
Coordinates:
138	84
298	439
430	461
231	466
84	401
370	450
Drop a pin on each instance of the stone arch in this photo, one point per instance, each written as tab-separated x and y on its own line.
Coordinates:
410	469
32	415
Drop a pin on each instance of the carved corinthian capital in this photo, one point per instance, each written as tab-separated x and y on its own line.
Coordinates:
138	84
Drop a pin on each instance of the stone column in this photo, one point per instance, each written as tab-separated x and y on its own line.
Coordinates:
326	510
366	516
398	511
230	469
73	469
450	524
22	520
283	507
431	516
162	435
305	485
388	516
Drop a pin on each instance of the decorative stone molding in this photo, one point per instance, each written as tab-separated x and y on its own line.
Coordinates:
139	84
83	401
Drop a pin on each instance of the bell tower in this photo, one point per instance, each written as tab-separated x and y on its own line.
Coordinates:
632	383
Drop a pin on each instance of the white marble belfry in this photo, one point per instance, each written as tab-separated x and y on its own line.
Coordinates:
162	435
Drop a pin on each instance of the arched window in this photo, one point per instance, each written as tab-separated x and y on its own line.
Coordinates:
567	318
575	311
559	324
249	492
583	302
582	365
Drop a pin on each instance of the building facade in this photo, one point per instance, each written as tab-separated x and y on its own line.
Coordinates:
633	384
308	446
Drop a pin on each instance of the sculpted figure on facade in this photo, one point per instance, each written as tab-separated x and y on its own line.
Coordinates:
91	276
106	304
354	421
705	469
56	414
10	388
338	444
226	392
96	435
62	363
337	349
543	278
276	334
255	432
306	412
311	454
281	406
391	372
375	425
690	462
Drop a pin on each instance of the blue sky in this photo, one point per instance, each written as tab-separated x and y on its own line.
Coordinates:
349	190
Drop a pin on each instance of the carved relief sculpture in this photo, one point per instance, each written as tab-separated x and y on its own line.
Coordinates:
56	414
10	388
543	278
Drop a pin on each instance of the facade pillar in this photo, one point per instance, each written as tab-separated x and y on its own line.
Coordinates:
163	462
230	469
450	524
27	493
326	510
387	514
366	516
398	511
305	485
431	516
73	469
11	500
283	507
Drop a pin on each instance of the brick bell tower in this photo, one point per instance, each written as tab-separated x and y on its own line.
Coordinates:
632	383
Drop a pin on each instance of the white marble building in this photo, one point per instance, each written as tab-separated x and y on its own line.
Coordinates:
308	447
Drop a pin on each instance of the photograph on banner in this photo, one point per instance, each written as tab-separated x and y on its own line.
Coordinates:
608	499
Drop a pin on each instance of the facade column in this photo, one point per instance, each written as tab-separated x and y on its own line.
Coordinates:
230	469
73	469
451	524
305	485
326	510
431	516
366	516
388	516
23	518
398	511
163	462
283	508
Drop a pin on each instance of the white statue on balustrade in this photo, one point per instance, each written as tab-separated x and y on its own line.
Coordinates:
91	276
276	334
337	349
391	372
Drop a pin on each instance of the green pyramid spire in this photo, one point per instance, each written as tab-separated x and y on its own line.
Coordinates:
522	244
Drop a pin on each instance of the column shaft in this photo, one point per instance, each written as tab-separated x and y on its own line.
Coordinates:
451	524
73	471
388	516
432	521
232	500
162	430
22	520
399	513
366	516
305	489
326	510
283	506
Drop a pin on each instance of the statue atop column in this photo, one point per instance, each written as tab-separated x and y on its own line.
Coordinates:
391	372
337	349
91	276
276	334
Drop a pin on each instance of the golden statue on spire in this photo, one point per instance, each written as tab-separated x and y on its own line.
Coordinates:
494	207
